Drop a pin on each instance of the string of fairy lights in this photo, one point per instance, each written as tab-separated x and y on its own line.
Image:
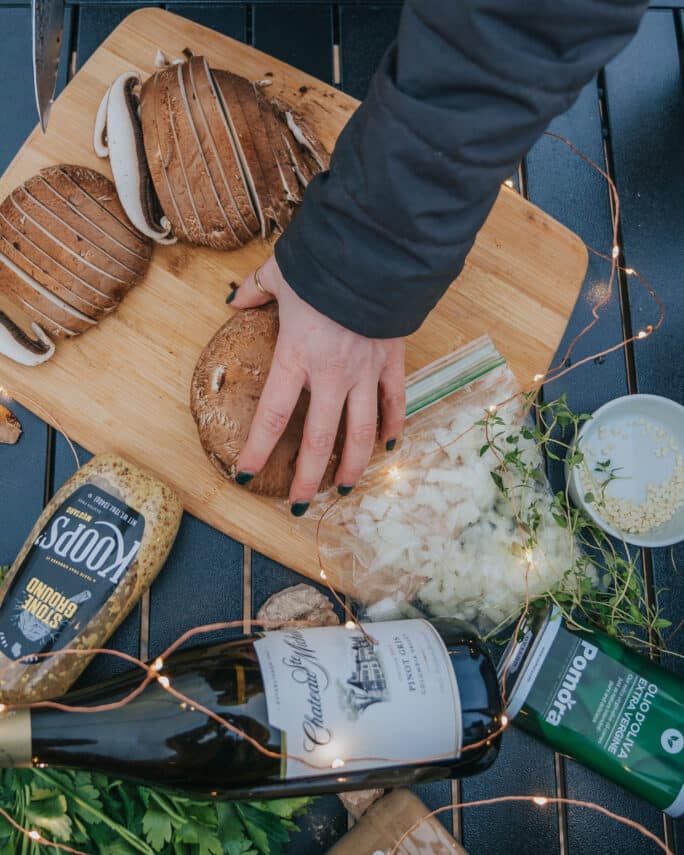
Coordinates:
154	672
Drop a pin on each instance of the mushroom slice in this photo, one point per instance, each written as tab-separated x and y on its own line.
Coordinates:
303	133
100	130
301	164
18	346
127	159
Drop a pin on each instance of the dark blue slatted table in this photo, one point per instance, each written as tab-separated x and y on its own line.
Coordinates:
632	120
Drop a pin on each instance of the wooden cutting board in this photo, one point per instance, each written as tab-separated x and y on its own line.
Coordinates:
124	386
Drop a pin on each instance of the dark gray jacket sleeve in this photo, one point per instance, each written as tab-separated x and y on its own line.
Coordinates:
459	98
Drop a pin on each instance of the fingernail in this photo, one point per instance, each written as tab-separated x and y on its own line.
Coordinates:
389	445
243	478
299	509
233	291
345	490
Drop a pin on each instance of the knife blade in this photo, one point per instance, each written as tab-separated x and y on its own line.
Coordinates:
48	30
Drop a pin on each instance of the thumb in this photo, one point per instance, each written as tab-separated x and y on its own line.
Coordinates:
249	295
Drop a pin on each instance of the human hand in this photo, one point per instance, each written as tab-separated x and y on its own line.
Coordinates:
337	366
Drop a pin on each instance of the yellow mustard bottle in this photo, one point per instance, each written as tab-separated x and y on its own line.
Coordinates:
92	553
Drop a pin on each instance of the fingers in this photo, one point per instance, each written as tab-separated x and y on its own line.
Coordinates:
320	431
248	295
362	416
392	402
278	399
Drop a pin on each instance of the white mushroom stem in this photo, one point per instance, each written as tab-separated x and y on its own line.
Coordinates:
15	344
100	133
127	159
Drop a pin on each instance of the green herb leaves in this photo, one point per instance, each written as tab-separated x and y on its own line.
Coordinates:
95	814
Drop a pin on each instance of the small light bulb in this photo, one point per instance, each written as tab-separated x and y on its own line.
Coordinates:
538	377
164	681
509	183
337	763
630	271
158	664
34	835
616	251
323	575
540	800
350	624
504	720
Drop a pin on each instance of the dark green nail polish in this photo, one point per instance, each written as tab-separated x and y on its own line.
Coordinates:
243	478
233	291
299	509
344	490
389	445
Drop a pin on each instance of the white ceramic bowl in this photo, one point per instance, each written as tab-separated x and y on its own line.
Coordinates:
619	431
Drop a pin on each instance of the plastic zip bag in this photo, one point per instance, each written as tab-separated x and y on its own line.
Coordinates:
429	524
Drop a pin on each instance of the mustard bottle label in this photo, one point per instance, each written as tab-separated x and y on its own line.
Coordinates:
74	565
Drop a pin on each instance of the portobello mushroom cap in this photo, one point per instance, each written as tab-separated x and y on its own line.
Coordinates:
68	253
226	386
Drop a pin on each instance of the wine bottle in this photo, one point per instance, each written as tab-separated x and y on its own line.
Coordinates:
418	700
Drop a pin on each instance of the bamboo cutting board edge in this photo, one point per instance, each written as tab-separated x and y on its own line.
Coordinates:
145	416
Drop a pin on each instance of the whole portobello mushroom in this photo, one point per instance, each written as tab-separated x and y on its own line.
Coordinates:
201	155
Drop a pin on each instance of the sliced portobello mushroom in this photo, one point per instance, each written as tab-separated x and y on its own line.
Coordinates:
20	347
228	148
118	135
214	159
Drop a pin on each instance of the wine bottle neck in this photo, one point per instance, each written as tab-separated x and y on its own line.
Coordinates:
15	739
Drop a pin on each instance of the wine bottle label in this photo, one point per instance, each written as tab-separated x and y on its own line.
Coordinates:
342	702
74	565
15	739
589	696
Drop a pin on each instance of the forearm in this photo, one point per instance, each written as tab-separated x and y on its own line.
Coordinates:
458	100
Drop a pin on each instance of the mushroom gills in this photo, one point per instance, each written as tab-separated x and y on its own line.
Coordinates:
20	347
127	159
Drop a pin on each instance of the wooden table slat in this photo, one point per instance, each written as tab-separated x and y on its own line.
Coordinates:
300	35
646	117
365	34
